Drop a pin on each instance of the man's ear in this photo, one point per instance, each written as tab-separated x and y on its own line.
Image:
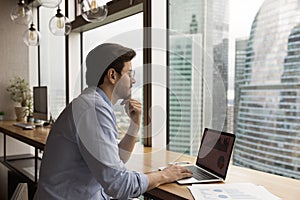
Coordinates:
112	75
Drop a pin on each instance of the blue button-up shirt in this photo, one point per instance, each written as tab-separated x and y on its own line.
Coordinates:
81	158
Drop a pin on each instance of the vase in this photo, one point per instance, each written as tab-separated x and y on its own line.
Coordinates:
21	113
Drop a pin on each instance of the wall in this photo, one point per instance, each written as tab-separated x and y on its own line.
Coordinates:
14	55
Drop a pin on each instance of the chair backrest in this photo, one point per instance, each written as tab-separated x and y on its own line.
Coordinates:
21	192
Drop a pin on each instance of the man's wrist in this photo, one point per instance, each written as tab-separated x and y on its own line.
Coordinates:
156	179
133	129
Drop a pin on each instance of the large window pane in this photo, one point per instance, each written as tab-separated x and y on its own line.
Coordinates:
262	107
267	116
52	63
198	63
127	32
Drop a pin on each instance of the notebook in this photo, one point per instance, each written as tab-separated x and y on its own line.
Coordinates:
213	157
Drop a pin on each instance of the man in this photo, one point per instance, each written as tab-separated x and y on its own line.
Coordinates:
82	157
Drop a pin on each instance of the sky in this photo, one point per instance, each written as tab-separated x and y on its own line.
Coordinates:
241	15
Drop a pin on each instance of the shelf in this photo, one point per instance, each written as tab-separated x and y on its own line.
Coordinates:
23	165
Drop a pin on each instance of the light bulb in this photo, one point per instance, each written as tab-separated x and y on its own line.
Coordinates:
21	14
94	6
21	11
59	24
50	3
31	36
93	10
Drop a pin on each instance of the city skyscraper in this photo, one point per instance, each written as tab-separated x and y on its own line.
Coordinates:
185	94
268	116
198	65
240	63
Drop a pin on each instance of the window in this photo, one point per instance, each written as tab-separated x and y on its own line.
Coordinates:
259	102
127	32
52	63
264	113
267	99
198	65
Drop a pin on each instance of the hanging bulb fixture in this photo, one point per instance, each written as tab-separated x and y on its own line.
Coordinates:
31	36
21	14
93	10
59	24
50	3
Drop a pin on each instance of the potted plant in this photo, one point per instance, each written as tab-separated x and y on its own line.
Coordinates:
20	92
1	115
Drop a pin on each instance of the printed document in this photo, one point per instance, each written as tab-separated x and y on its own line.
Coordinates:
231	191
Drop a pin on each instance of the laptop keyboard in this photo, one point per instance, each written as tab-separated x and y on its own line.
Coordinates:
200	174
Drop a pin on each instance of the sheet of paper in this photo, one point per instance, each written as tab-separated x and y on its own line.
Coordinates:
234	191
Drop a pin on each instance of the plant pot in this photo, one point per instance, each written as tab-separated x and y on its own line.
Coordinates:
1	117
21	113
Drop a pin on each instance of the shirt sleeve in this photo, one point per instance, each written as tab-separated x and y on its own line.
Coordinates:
97	142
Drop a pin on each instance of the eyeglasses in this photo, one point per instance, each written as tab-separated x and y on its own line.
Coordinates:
131	73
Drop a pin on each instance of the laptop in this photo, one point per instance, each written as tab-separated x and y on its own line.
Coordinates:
213	157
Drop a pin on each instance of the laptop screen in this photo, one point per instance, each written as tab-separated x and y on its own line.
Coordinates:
215	151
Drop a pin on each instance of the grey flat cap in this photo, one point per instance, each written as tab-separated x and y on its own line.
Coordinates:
100	58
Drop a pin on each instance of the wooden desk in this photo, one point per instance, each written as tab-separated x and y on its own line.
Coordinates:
147	159
35	138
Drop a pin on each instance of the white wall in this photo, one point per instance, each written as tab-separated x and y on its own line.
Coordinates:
14	55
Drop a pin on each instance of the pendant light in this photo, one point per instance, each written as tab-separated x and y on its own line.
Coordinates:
21	14
50	3
93	10
59	24
32	37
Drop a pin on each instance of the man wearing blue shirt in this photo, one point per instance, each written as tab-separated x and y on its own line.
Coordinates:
83	158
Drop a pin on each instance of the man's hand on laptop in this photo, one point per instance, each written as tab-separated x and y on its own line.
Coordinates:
168	175
176	172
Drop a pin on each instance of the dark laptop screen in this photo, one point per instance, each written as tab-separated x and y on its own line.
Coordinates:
215	151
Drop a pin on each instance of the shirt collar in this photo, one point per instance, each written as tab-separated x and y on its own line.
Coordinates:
103	95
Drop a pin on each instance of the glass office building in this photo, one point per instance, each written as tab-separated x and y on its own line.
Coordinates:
198	64
185	93
240	63
268	117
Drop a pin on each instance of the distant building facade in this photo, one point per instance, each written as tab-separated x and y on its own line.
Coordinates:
240	63
267	123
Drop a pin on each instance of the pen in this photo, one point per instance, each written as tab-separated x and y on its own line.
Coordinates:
179	163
